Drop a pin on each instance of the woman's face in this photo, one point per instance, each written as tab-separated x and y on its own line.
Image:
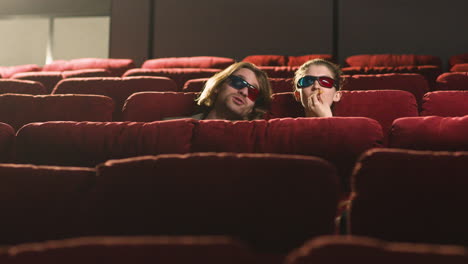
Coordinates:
324	94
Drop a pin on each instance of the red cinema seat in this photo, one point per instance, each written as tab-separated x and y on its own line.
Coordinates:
392	60
246	196
179	75
458	59
365	250
461	67
135	249
453	81
283	60
285	105
8	71
278	85
430	133
410	82
117	88
154	106
189	62
40	202
411	196
7	139
279	71
90	143
445	103
339	140
21	87
20	109
116	67
194	85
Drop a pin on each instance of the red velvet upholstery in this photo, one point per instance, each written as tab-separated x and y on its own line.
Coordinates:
194	85
445	103
430	72
154	106
282	60
285	105
430	133
21	87
135	249
384	106
458	59
279	71
40	202
452	81
392	60
119	89
86	73
8	71
116	67
7	139
18	109
47	79
179	75
461	67
365	250
188	62
272	202
90	143
410	82
412	196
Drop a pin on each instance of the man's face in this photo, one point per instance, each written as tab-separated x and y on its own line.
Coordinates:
235	102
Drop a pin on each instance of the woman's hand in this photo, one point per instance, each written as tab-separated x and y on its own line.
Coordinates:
317	107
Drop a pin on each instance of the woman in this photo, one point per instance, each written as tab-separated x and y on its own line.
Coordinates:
317	86
239	92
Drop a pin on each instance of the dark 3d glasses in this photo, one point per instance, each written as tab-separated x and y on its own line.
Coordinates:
308	80
239	83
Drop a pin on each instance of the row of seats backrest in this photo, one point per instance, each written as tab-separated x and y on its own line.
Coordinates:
155	195
411	196
283	60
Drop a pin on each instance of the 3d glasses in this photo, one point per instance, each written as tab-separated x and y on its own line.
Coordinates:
239	83
308	80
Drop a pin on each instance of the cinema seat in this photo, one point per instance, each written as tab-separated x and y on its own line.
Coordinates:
87	144
453	81
246	196
279	71
461	67
283	60
458	59
134	249
410	82
411	196
117	88
7	139
20	109
445	103
179	75
154	106
391	60
40	202
116	67
366	250
8	71
188	62
21	87
430	133
194	85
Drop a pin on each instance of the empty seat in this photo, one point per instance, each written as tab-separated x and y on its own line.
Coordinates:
40	202
282	60
135	249
19	109
117	88
458	59
188	62
90	143
410	82
8	71
7	139
246	196
116	67
279	71
453	81
278	85
154	106
194	85
21	87
411	196
392	60
430	133
365	250
461	67
179	75
375	104
445	103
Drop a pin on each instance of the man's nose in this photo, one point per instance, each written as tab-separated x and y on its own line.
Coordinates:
244	91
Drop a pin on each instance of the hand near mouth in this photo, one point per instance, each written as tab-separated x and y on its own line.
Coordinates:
316	107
